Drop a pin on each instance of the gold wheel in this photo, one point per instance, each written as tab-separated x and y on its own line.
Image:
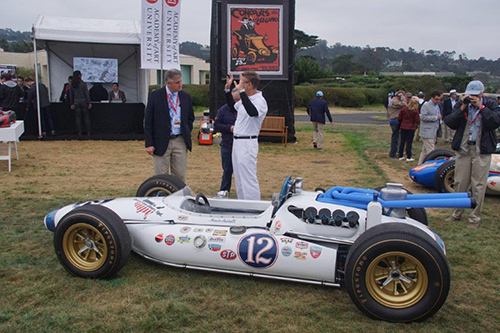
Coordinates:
396	280
85	247
449	180
157	192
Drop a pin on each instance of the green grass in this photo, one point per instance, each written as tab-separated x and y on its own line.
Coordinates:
39	295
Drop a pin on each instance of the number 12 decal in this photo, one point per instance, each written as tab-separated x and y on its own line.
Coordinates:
258	250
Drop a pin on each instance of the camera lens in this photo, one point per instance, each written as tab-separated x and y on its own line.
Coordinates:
466	100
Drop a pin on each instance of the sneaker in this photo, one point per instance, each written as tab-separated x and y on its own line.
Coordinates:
410	159
453	219
315	145
401	158
222	194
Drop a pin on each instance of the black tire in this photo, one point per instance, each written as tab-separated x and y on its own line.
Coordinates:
445	177
418	214
412	265
100	228
438	154
160	186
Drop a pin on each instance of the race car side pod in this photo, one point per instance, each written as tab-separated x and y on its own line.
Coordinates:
359	198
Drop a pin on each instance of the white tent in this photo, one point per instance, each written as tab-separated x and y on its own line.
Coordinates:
66	38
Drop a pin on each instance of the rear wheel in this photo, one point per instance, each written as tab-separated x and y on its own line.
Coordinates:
92	242
160	186
445	177
396	272
438	154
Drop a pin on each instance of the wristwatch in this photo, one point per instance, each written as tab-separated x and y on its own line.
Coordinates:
242	91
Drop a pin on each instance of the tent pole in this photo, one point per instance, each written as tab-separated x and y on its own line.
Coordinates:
37	87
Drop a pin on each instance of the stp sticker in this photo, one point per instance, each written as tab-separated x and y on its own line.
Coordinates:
302	245
214	247
159	238
228	255
286	251
169	240
258	250
185	230
315	252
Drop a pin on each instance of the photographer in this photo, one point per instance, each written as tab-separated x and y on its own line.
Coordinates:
475	120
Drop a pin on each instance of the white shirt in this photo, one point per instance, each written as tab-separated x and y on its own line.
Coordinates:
246	125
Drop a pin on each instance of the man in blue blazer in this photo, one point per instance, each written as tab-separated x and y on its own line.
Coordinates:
167	126
317	108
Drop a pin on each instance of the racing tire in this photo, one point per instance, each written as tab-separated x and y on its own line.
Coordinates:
398	273
444	178
160	186
438	154
418	214
92	242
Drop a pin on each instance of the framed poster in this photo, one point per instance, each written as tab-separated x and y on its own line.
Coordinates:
254	40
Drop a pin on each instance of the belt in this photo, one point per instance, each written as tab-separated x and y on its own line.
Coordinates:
175	136
246	137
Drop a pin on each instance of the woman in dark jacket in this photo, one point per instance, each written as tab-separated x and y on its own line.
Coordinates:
409	118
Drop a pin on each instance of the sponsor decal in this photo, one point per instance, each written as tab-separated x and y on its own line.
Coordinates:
172	3
184	240
277	226
182	218
286	251
286	240
220	233
159	238
169	240
198	230
300	255
315	251
200	242
147	207
185	230
217	239
228	255
95	202
209	230
258	250
152	1
222	220
214	247
301	245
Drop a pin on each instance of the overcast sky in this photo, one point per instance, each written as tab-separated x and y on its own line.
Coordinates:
465	26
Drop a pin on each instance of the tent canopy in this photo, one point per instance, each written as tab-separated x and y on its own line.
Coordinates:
67	38
87	30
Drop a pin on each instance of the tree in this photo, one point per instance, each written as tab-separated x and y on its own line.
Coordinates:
303	40
307	69
345	65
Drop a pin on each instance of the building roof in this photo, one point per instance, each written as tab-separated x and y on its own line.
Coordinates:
87	30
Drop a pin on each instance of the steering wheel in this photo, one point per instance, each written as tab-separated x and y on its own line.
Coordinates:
284	192
204	198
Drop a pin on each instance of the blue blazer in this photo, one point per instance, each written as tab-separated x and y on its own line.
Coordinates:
157	124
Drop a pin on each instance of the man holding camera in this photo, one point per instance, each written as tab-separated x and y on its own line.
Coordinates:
475	120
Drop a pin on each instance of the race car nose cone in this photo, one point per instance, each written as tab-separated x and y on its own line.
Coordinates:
49	220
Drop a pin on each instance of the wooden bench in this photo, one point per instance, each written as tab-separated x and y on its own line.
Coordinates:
274	126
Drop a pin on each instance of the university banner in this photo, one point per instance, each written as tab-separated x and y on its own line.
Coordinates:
255	38
171	25
160	21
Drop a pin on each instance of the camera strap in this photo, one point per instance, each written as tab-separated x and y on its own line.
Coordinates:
476	116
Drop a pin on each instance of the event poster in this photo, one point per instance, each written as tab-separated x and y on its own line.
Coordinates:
97	70
255	39
160	22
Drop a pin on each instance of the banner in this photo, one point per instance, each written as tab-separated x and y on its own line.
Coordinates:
160	21
171	25
255	39
151	18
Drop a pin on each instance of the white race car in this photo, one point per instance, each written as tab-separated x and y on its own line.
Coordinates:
393	266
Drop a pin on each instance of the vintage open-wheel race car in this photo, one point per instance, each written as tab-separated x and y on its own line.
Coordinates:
375	243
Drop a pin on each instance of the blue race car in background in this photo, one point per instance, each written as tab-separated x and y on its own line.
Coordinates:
438	171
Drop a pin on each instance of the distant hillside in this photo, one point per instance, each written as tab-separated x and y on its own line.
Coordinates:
15	41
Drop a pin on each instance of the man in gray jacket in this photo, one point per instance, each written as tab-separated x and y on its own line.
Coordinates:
430	119
80	102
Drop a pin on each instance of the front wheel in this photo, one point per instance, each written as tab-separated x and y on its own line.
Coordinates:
160	186
92	242
444	178
397	273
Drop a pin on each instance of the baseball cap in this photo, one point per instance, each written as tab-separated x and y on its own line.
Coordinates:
409	95
319	93
474	88
453	91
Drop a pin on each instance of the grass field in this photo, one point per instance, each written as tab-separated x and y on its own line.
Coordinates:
38	295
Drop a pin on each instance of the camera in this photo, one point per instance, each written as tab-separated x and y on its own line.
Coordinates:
466	100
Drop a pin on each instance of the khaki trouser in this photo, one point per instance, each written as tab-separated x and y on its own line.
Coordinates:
471	170
448	134
318	134
429	145
174	159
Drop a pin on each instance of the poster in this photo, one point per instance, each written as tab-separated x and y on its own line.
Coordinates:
97	70
255	39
